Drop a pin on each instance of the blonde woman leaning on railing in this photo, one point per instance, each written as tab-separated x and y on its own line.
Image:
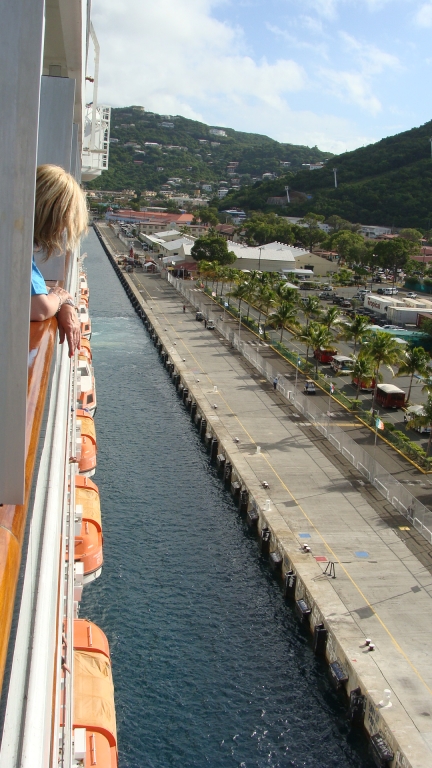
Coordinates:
60	220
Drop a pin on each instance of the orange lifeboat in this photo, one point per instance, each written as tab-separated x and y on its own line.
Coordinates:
88	550
89	539
87	495
87	442
94	723
85	349
87	386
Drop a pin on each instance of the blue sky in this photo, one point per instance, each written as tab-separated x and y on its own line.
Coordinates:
335	73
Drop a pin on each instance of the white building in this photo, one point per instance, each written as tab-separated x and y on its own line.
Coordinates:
222	192
217	132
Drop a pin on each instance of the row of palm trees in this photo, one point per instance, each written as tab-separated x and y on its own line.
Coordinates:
279	304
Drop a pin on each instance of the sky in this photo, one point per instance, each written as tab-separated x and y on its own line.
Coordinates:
337	74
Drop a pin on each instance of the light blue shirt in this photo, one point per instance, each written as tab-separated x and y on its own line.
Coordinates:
38	284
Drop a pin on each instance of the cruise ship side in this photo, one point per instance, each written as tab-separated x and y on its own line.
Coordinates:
57	696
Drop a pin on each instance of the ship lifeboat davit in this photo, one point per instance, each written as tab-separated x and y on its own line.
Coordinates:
94	723
86	385
83	285
86	443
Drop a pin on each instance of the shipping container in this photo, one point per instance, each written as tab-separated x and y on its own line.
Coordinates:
380	304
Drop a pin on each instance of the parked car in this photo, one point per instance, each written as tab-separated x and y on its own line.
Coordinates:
411	412
309	388
380	290
210	325
337	299
411	295
199	316
342	364
346	304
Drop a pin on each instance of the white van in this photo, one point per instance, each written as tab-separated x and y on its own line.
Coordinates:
342	364
390	291
411	412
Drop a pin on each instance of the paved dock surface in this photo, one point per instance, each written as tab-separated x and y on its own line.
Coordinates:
383	567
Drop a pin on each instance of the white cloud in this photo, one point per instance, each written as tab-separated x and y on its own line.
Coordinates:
357	86
172	54
423	17
294	42
351	86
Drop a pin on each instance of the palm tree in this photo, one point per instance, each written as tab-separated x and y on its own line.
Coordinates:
265	297
315	335
286	314
249	294
425	420
311	308
330	317
382	349
416	361
205	269
356	329
321	337
239	292
363	371
285	293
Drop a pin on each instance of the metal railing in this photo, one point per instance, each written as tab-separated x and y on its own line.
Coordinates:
391	489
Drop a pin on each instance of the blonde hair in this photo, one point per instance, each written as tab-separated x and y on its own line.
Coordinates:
61	214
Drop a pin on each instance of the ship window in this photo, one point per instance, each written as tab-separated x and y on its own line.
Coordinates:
90	398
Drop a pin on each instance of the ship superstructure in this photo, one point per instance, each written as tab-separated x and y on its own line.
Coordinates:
55	668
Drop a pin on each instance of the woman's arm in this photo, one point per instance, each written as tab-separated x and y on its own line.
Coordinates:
44	306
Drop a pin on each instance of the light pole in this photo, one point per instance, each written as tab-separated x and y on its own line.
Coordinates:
335	177
287	192
259	260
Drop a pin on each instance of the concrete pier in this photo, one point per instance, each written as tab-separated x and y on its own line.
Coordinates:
317	513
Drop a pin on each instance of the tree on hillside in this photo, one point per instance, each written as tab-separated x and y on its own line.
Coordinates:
212	247
337	223
264	228
206	216
310	232
411	234
395	254
350	246
416	362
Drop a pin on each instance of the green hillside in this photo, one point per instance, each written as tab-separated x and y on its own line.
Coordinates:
182	155
388	183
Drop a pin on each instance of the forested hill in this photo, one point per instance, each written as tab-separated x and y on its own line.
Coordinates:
388	183
189	152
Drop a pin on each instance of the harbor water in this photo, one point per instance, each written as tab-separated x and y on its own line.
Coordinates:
210	665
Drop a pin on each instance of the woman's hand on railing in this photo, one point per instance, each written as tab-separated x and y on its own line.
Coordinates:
69	327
